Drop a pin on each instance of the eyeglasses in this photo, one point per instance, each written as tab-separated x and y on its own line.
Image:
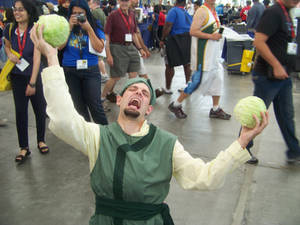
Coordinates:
21	9
124	0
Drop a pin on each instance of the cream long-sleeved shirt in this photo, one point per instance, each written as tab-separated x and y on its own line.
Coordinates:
68	125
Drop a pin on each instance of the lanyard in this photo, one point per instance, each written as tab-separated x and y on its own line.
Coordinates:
79	39
21	47
287	18
128	24
214	14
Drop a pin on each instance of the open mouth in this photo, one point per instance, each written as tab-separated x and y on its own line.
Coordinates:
135	103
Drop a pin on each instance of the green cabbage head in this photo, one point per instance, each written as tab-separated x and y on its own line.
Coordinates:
56	29
248	106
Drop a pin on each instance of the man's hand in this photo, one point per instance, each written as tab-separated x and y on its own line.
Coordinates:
148	54
73	21
110	60
85	26
29	91
162	44
143	53
279	72
14	58
216	36
47	50
248	134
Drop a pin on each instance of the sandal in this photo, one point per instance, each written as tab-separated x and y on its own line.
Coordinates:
21	158
44	149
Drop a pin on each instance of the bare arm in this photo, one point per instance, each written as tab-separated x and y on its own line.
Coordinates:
264	50
109	59
9	54
35	71
138	45
198	21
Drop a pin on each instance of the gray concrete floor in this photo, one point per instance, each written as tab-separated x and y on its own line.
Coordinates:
54	189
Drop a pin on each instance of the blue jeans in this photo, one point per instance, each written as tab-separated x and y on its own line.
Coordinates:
280	93
85	89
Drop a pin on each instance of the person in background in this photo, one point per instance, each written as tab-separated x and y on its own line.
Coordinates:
81	66
99	15
266	3
161	23
272	71
197	5
178	22
123	48
130	158
244	11
63	8
253	17
25	76
206	53
155	17
190	8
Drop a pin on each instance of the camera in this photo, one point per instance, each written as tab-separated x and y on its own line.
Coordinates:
81	18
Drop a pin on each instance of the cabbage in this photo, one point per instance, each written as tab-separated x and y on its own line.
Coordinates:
246	107
56	29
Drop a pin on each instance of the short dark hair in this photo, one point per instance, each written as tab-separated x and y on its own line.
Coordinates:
31	9
198	2
180	2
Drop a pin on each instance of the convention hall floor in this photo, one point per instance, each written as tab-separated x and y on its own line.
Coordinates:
54	189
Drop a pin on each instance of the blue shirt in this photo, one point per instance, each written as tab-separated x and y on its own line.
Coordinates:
72	50
180	19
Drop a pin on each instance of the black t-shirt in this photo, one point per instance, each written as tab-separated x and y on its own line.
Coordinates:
275	25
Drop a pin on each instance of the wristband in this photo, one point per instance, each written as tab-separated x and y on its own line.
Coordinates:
31	85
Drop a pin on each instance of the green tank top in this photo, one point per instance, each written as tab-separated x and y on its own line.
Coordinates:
132	169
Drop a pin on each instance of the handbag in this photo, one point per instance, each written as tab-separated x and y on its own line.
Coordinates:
5	83
149	28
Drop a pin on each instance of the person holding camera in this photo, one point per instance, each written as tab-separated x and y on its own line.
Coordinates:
80	66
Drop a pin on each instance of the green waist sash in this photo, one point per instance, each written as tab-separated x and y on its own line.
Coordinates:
119	210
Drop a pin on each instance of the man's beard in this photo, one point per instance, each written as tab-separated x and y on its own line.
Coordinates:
131	113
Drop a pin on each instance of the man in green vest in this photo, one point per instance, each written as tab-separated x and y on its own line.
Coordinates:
131	161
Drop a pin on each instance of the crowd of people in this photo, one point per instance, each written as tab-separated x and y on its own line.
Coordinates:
114	29
67	81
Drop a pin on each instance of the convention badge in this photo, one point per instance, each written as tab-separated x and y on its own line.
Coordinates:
128	37
22	65
292	48
81	64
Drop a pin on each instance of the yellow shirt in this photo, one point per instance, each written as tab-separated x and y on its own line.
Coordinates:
68	125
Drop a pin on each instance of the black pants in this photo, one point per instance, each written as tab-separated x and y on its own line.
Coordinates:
19	85
85	89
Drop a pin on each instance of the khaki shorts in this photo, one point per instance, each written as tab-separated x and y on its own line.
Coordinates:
126	59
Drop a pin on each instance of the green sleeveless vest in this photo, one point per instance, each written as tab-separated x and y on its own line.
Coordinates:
202	44
134	172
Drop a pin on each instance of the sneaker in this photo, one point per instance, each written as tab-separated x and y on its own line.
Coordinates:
177	111
3	122
105	106
167	92
293	160
219	114
253	160
159	92
112	97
